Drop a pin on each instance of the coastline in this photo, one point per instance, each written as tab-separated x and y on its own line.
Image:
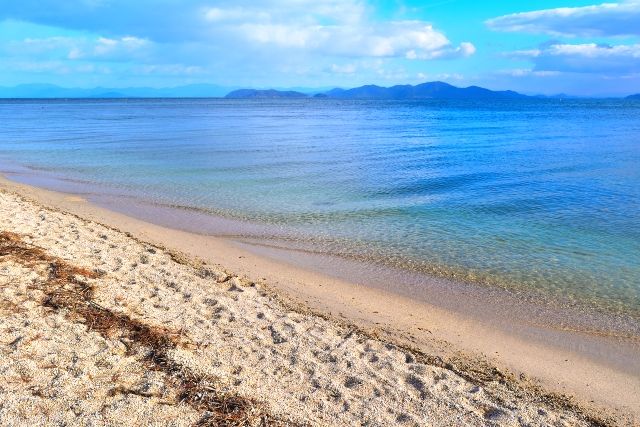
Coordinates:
425	327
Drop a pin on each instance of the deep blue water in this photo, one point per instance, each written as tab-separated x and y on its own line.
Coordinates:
533	195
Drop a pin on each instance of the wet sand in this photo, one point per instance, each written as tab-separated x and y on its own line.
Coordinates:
600	373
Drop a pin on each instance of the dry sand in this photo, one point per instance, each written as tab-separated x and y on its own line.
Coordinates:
100	328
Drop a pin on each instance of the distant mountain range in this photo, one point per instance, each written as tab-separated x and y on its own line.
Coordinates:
635	97
53	91
430	90
437	90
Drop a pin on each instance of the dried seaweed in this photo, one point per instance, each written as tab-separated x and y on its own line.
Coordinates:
66	288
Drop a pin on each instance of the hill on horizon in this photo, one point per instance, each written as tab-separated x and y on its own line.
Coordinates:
429	90
40	90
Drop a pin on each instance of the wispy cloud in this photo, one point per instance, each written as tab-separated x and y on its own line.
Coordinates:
55	67
77	48
606	19
583	58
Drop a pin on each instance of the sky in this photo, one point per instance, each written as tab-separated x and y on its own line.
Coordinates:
535	47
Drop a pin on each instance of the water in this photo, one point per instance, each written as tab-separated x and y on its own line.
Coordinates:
536	196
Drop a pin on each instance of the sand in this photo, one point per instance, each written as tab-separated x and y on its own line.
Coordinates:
101	327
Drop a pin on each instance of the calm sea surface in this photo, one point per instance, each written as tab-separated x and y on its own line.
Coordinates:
538	196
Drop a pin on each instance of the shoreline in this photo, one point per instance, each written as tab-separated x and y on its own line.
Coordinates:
601	315
445	289
416	324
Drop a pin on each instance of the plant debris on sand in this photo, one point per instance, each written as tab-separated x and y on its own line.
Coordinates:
145	336
66	288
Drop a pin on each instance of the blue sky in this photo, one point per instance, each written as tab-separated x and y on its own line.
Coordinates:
542	46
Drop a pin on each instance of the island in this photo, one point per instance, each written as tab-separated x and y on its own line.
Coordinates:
429	90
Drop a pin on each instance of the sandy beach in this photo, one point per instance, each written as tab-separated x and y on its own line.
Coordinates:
107	320
319	213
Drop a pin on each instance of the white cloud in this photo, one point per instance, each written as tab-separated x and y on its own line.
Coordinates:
606	19
107	47
327	27
276	34
583	58
329	12
102	48
239	41
55	67
216	14
47	47
168	69
527	72
408	39
464	50
344	69
592	50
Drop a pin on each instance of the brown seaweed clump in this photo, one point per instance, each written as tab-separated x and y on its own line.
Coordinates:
66	287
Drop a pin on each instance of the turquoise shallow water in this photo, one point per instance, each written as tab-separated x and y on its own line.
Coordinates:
539	196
